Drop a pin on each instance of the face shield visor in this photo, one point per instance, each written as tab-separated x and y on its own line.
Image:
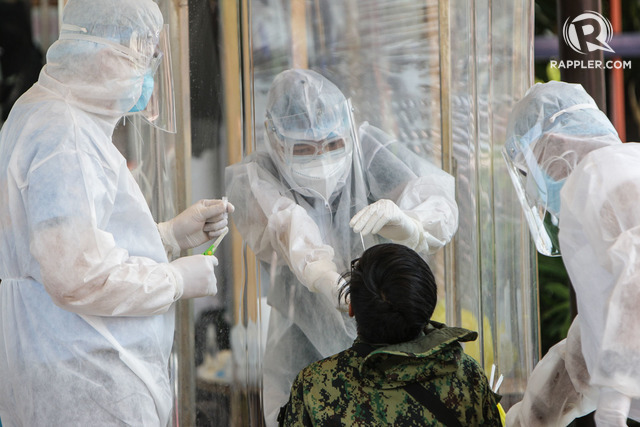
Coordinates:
150	55
536	192
540	161
314	154
156	104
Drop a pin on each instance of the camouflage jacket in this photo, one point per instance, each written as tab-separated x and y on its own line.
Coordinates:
364	385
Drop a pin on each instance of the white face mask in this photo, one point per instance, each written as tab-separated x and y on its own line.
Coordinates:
322	176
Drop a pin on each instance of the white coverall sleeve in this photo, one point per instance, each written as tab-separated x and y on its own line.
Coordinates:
269	221
296	237
81	266
619	361
600	206
430	201
558	389
422	191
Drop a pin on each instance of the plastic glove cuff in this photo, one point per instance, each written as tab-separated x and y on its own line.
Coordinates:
169	240
329	285
196	275
315	270
179	282
414	237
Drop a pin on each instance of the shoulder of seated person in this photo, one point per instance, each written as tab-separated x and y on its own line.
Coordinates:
461	334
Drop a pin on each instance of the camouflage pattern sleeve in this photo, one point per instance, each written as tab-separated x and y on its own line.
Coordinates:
296	413
488	399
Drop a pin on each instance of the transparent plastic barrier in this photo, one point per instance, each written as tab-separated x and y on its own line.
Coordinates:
388	60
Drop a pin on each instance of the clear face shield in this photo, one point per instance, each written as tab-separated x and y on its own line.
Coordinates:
157	103
540	161
539	196
315	153
151	55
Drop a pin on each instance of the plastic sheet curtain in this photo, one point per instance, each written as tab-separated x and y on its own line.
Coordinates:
440	77
492	262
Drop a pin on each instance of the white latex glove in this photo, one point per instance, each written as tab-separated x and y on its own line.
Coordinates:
613	408
386	219
196	274
329	284
196	225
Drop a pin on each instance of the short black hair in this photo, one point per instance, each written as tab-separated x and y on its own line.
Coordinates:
393	293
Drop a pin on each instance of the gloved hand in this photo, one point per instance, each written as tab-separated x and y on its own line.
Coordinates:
386	219
197	275
613	408
329	284
196	225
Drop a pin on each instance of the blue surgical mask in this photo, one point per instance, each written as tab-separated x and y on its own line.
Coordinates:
147	90
552	198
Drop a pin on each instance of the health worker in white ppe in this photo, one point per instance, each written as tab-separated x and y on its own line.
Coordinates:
575	176
310	203
87	294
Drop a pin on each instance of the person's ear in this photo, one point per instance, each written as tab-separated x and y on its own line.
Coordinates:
350	310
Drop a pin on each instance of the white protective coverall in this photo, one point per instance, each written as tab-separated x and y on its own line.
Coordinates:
598	365
86	299
306	230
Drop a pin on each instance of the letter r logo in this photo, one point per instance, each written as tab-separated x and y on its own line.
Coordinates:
588	32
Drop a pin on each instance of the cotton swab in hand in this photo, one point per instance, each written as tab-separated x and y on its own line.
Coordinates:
214	246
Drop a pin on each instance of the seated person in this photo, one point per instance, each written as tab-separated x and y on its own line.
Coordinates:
403	369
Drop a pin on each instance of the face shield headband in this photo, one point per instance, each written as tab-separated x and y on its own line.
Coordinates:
139	49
